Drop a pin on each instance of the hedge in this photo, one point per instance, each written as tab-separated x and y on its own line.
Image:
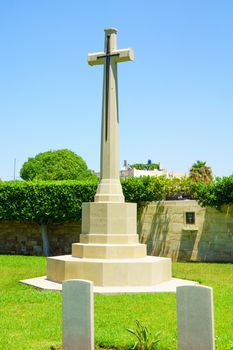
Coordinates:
46	202
59	201
149	189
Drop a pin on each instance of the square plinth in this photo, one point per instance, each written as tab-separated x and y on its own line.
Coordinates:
145	271
109	218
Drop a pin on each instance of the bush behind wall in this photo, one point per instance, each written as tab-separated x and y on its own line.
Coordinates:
47	202
44	202
215	194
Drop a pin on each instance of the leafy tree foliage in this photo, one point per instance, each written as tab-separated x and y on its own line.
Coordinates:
154	188
140	166
215	194
200	172
56	165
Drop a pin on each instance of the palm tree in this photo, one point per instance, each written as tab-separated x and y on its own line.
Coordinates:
200	172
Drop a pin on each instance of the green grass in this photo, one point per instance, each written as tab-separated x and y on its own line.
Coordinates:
31	319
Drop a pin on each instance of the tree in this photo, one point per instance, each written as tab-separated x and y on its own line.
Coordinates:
44	202
200	172
148	166
56	165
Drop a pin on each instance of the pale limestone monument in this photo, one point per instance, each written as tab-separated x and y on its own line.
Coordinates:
195	318
77	315
109	253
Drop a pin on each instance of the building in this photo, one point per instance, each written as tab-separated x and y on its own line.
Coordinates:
127	171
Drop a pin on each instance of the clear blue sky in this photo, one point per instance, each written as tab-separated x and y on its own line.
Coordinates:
175	99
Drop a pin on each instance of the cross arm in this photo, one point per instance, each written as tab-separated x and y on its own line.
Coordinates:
95	58
119	56
123	55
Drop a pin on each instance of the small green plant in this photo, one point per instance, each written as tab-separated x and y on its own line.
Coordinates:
145	339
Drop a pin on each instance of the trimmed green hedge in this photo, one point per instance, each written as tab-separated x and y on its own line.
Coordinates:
149	189
45	201
59	201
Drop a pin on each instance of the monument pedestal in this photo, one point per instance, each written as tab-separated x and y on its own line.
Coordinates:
109	253
147	271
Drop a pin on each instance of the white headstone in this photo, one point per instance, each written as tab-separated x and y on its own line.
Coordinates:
195	318
77	315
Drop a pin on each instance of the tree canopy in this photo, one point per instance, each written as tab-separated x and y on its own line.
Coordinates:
148	166
200	172
56	165
215	194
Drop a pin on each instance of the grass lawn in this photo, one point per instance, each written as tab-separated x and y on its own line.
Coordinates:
31	319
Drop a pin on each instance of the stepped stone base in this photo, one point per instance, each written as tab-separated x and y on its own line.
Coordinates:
147	271
109	253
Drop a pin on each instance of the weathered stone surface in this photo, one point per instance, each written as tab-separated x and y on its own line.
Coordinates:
195	318
147	271
25	238
166	233
77	315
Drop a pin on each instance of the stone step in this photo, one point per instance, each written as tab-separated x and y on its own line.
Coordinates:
108	251
146	271
109	239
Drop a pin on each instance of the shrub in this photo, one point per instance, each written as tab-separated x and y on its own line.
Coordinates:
56	165
216	194
144	189
45	201
149	189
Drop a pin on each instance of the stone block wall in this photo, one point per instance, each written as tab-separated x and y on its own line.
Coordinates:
20	238
163	227
25	238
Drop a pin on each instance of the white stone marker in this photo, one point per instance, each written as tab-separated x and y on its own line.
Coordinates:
195	318
77	315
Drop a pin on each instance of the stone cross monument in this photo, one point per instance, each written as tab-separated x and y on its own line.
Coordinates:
109	253
109	189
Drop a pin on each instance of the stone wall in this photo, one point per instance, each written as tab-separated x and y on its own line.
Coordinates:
25	238
163	226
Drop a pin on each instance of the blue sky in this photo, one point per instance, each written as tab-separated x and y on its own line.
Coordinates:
175	99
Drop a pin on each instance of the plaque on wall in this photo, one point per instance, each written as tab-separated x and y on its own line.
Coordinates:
190	217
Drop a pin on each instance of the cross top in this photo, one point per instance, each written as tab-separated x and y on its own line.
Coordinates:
108	58
122	55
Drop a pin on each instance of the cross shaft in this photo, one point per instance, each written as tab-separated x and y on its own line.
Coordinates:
110	119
